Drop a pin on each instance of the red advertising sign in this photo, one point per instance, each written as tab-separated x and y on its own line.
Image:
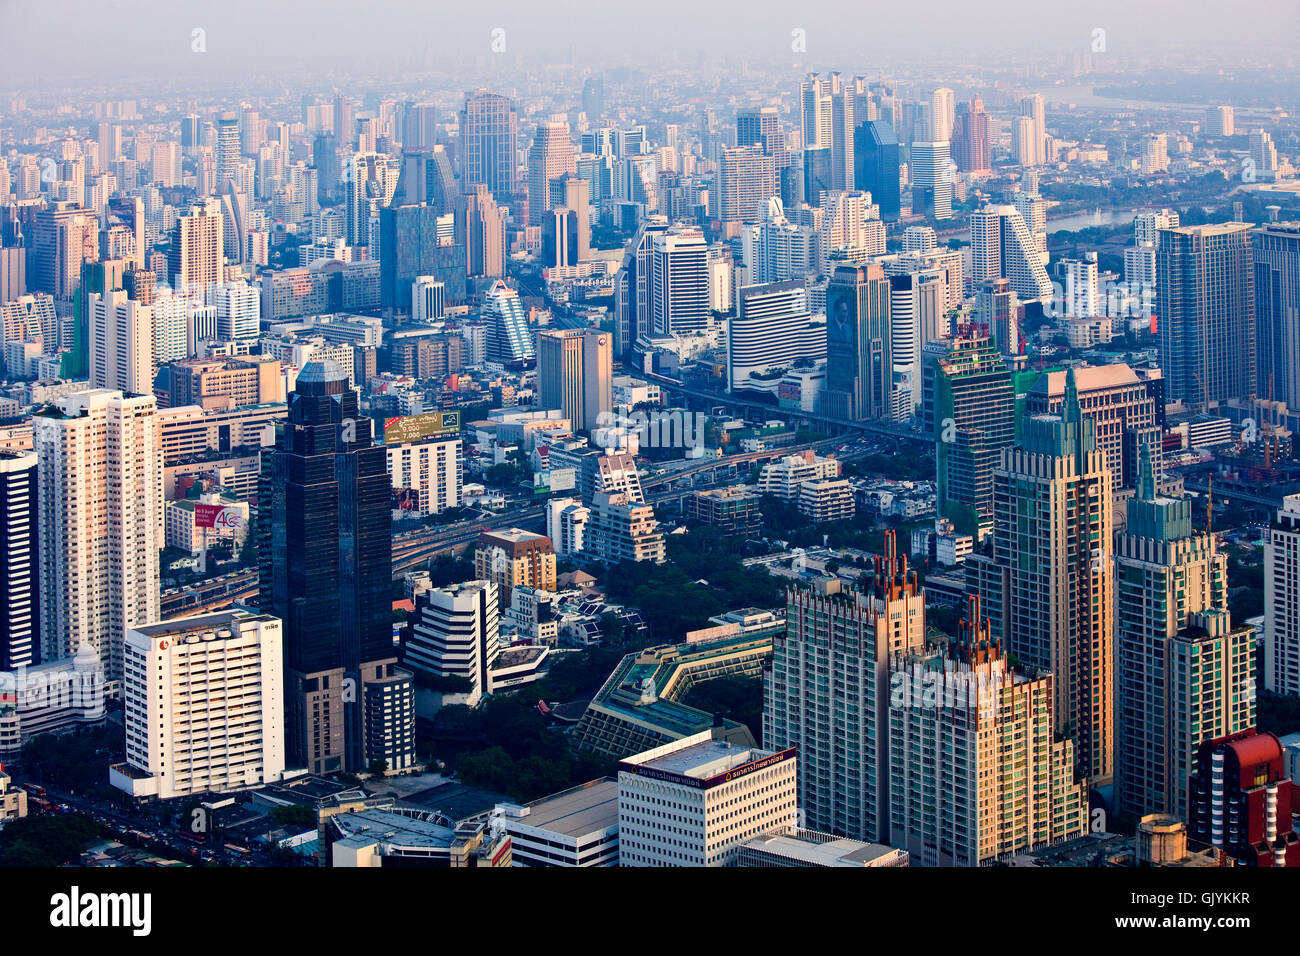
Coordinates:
218	517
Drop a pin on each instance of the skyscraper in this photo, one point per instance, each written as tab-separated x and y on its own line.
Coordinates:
634	285
480	221
827	694
1282	601
1004	247
932	180
1206	303
746	181
550	157
121	343
859	362
971	147
325	550
227	148
575	374
761	126
196	258
876	166
1053	543
1276	249
509	339
1184	675
772	329
488	128
20	611
1032	108
679	292
100	493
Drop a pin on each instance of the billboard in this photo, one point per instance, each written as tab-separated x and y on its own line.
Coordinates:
218	517
413	428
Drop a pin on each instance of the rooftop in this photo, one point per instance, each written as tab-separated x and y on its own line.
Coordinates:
702	760
577	811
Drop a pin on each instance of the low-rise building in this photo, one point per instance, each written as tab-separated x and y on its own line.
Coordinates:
576	827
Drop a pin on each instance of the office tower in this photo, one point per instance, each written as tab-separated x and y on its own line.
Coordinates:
1242	800
63	236
931	180
234	223
1282	601
1035	153
840	726
121	343
1023	152
228	148
454	633
679	294
1126	406
488	127
566	525
1206	302
593	97
717	796
575	374
325	157
1276	250
559	239
1053	521
772	329
365	192
514	558
859	364
843	169
409	247
815	112
746	181
484	231
239	310
550	157
1033	210
189	137
876	166
196	260
816	179
509	339
100	494
426	177
325	553
970	408
428	299
761	126
976	771
1002	246
1219	121
972	148
221	725
634	285
944	104
20	612
1184	675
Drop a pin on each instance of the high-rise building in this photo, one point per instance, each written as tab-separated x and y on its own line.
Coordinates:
550	157
428	300
815	112
976	770
1004	247
1282	601
325	550
746	181
932	179
972	148
716	795
409	247
839	724
1206	303
20	611
101	525
1276	250
368	185
566	525
634	285
488	128
513	557
761	126
623	528
1242	799
121	343
455	633
772	329
679	292
859	362
239	311
1219	121
575	374
196	258
481	221
228	148
1053	541
509	339
220	726
1035	151
876	166
1184	675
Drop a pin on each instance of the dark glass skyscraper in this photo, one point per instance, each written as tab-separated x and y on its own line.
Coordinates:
488	128
875	166
325	552
859	363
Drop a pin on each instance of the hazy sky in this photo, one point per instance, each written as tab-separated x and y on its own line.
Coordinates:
45	41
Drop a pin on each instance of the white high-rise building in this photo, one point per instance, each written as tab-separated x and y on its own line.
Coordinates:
1004	247
430	471
1220	121
679	299
121	343
455	633
1081	287
100	482
1282	601
239	311
695	801
932	176
771	330
171	319
944	103
566	525
1032	108
428	299
218	723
